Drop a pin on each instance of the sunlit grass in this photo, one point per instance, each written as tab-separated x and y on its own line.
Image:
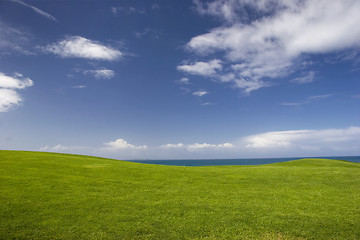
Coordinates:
61	196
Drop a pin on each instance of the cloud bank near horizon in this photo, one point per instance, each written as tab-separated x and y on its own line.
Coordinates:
294	143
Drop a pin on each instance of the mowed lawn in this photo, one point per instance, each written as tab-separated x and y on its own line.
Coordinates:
62	196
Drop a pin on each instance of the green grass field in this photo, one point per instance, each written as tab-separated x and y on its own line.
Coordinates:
61	196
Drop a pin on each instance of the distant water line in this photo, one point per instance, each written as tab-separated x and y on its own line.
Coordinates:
240	161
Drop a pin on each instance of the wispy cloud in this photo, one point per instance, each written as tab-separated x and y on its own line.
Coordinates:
9	85
79	86
67	149
259	47
148	32
80	47
14	40
155	6
101	73
56	148
35	9
305	139
128	10
308	100
200	93
185	90
207	104
307	78
183	80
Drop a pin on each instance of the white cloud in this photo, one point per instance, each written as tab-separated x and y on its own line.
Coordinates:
294	143
202	68
9	97
225	145
305	139
308	78
101	73
269	44
80	47
202	146
15	82
171	146
121	144
35	9
200	93
196	146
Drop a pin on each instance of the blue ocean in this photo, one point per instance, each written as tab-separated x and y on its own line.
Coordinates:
245	161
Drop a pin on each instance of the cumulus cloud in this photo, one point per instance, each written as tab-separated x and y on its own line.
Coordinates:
200	93
101	73
8	99
202	68
121	144
80	47
15	82
269	43
35	9
9	85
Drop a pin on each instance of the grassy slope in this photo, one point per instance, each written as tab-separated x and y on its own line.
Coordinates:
59	196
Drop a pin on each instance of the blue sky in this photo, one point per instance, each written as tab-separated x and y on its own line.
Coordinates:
181	79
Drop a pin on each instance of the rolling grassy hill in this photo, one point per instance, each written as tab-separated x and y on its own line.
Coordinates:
62	196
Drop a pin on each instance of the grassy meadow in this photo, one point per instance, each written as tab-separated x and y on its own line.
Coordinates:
63	196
